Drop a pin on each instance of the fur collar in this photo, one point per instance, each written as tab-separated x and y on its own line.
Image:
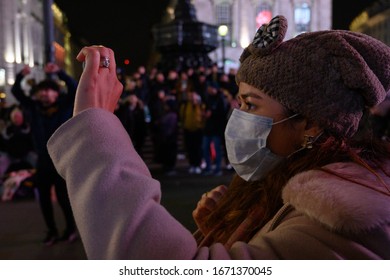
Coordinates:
340	204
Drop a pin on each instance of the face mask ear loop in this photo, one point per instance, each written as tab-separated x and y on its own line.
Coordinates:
307	143
286	119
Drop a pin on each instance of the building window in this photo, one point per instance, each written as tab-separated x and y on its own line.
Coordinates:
224	13
263	14
302	17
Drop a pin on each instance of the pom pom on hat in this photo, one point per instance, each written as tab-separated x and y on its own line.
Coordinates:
327	76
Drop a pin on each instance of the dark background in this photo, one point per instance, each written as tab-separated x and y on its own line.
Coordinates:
125	25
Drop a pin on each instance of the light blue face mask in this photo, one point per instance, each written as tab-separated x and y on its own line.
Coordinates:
246	138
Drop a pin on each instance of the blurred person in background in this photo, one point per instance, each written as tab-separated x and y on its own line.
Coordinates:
192	123
216	110
18	141
132	115
49	108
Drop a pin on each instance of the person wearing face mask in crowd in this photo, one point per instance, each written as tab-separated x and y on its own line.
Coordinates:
47	109
310	184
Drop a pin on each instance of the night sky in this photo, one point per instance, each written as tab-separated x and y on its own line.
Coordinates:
125	25
344	11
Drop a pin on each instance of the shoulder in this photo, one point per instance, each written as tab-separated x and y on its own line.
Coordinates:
353	201
294	235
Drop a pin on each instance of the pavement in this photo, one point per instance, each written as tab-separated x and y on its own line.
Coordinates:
22	228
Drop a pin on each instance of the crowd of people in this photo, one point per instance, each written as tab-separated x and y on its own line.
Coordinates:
194	102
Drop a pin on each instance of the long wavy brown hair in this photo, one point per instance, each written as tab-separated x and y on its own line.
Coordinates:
264	196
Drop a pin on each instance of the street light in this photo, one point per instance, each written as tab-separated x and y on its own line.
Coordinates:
223	30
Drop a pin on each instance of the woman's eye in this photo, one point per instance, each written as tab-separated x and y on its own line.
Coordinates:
246	106
249	106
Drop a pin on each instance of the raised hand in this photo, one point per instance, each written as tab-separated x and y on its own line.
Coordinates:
99	86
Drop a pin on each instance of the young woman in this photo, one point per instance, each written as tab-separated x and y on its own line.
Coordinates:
310	184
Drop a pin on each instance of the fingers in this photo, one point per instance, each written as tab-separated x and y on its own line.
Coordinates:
218	192
99	86
215	194
206	205
209	200
199	213
93	55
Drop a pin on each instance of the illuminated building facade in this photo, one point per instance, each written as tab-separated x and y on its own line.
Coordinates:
243	18
22	41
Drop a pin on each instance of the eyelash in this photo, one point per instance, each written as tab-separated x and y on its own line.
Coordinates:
248	106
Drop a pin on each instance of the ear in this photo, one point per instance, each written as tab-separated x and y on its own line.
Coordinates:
312	129
311	132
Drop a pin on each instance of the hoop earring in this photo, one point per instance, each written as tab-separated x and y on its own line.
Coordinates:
308	141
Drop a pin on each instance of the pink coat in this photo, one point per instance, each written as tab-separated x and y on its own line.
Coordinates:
117	208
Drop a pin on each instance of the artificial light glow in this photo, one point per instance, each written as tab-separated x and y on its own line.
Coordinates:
244	37
223	30
171	12
31	62
10	81
9	57
2	77
302	14
244	42
3	95
57	14
359	20
68	48
263	17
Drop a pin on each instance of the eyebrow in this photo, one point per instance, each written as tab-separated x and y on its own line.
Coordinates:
249	94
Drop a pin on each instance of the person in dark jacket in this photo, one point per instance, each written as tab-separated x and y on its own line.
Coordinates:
48	108
168	136
216	118
132	115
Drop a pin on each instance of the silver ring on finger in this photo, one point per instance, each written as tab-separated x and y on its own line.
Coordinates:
104	62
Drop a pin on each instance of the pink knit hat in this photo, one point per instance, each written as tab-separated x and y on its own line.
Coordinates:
327	76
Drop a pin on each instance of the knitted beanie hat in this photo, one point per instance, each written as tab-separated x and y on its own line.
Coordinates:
327	76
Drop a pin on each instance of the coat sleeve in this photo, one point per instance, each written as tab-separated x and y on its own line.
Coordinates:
115	200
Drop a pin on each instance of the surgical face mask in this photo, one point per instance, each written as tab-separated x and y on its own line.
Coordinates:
246	138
